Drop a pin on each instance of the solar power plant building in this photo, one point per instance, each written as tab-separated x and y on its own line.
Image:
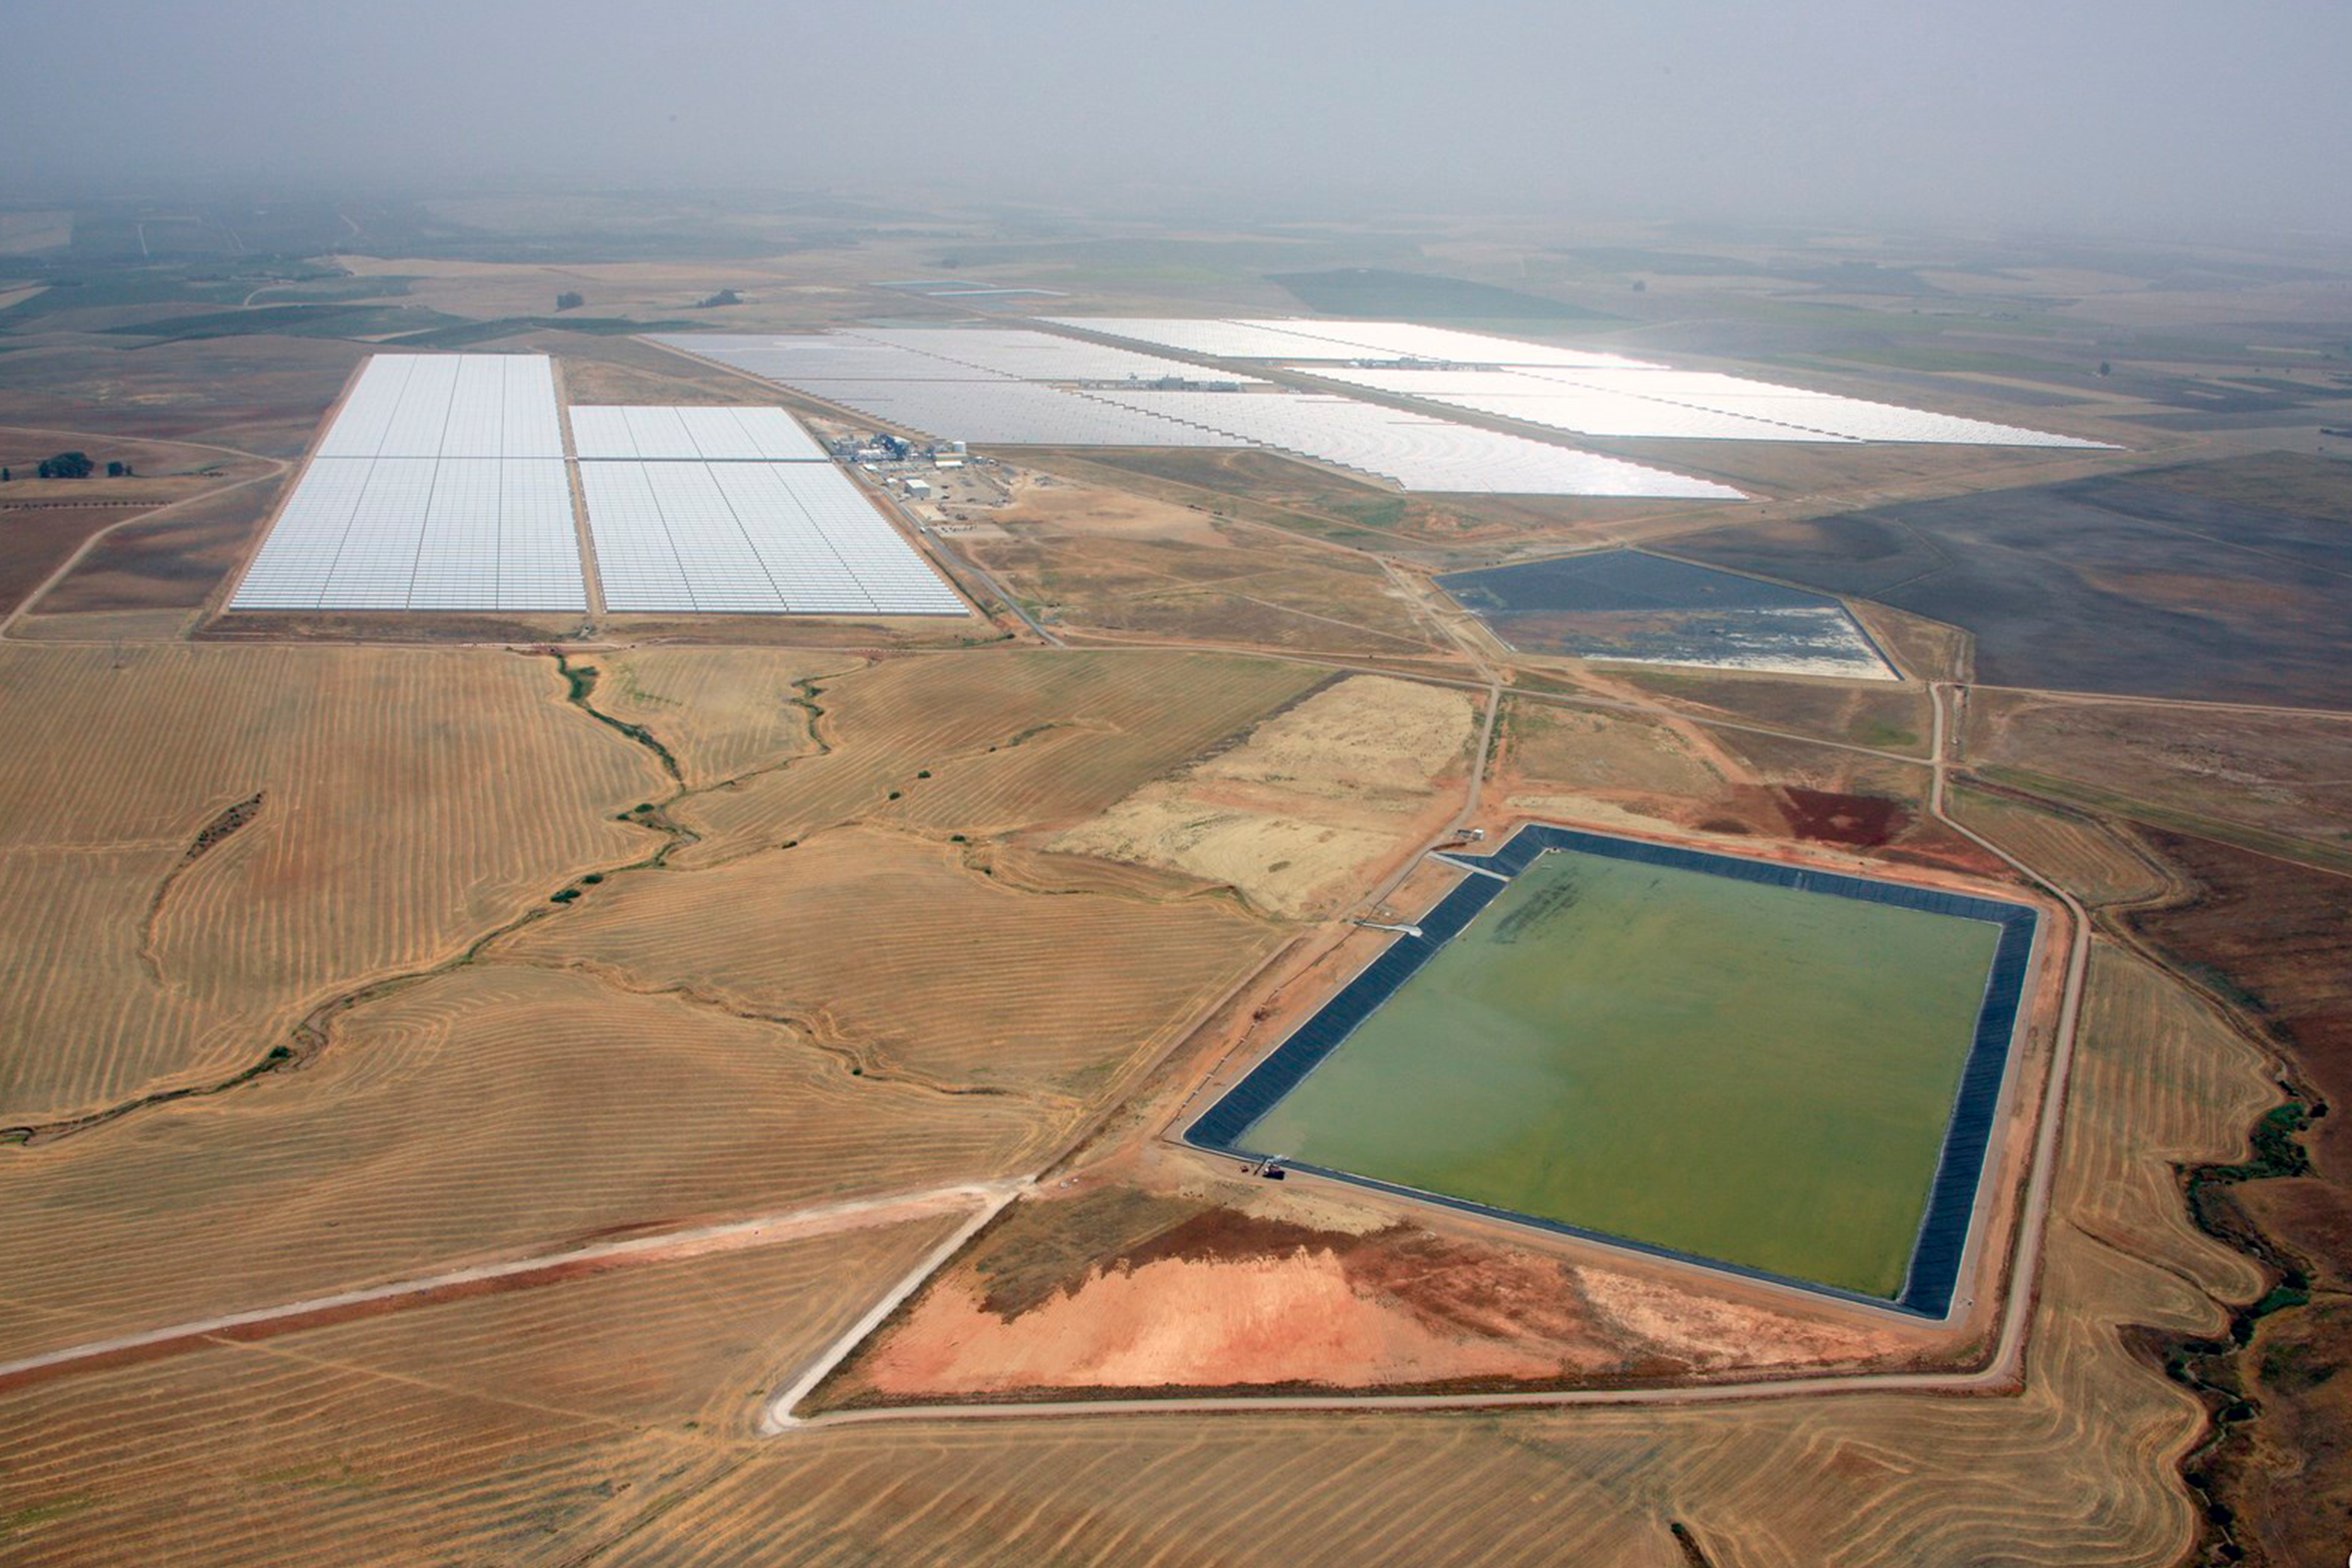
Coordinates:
440	486
1416	451
750	537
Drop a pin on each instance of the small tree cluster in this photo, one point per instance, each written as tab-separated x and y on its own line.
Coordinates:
66	465
569	301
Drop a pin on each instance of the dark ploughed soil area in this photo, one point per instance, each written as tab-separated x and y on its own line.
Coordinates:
1826	817
2109	584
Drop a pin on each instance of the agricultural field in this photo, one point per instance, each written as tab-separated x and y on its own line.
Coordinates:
204	858
1084	560
2273	782
1297	814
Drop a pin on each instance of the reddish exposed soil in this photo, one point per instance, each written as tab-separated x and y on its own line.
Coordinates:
1122	1290
1823	817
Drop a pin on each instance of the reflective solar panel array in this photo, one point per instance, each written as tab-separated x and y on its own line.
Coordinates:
449	405
1607	394
440	486
1418	452
730	434
1411	340
1301	341
902	377
1220	340
1010	413
794	360
755	537
1037	356
1686	404
1559	405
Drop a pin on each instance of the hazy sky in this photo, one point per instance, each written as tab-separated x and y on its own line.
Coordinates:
2199	117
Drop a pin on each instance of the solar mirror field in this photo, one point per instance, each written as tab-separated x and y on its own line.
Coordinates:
1739	1063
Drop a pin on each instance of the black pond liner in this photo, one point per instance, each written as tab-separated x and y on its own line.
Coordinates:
1944	1230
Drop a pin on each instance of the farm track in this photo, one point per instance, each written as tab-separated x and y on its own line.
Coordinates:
278	468
544	1268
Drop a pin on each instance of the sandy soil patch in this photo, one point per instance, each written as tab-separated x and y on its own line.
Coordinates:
1122	1289
1293	815
1187	1325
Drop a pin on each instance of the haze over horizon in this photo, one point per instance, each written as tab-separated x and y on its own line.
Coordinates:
2164	119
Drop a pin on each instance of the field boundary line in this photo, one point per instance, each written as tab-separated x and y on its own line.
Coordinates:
663	1247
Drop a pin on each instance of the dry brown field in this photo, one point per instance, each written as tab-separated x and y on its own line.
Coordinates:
1297	814
1319	502
1607	767
516	1427
913	965
493	1112
174	560
2287	776
1884	718
721	713
1098	561
1010	739
260	394
142	954
2099	864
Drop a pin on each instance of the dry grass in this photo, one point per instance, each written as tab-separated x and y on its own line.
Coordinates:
1295	814
916	965
1888	718
1010	739
1087	556
721	712
2096	864
493	1112
409	803
505	1429
2287	775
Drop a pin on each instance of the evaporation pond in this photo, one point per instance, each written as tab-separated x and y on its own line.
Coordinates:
1752	1074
